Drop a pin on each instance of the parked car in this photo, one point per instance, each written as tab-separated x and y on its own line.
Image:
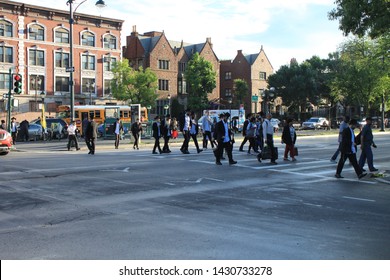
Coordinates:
5	142
316	123
60	127
35	132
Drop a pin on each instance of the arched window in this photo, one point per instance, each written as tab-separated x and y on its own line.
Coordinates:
109	41
62	35
36	32
88	39
5	28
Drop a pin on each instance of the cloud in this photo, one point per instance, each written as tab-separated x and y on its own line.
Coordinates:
286	28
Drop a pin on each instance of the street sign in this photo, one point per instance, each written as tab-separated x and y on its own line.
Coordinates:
70	69
255	98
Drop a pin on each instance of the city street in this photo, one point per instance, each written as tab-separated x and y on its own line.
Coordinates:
129	204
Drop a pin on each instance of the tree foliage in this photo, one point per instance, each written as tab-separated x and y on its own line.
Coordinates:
301	84
361	17
361	72
201	80
134	86
241	89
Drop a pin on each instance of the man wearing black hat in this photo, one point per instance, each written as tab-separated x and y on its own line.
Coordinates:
166	132
348	150
156	135
223	136
185	127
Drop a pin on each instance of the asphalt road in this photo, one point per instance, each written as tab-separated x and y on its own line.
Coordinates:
129	204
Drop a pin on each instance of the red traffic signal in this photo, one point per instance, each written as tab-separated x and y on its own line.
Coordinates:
18	84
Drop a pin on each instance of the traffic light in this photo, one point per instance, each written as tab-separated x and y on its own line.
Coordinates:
18	84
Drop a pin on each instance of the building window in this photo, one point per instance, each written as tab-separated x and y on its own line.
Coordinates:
263	76
36	32
108	63
6	54
62	36
88	39
5	28
163	85
37	83
109	41
88	85
4	81
88	62
36	57
163	64
62	84
107	87
228	75
228	92
62	60
182	67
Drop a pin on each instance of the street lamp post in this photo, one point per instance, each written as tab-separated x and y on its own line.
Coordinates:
169	103
99	4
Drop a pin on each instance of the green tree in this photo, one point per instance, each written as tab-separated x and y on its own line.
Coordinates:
201	80
297	84
134	86
361	17
241	89
360	75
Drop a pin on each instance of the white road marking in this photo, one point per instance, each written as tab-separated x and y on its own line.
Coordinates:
361	199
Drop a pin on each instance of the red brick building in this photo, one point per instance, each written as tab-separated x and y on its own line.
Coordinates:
34	42
168	59
254	69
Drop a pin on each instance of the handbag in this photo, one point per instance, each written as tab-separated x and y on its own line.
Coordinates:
266	153
295	151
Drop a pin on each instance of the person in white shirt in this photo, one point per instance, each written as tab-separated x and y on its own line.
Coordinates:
186	127
268	134
14	130
118	129
206	129
72	130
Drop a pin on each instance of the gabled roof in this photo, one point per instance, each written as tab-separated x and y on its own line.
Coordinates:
191	49
148	43
251	58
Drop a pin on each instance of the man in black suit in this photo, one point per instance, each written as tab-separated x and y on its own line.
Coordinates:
223	135
156	135
348	150
91	135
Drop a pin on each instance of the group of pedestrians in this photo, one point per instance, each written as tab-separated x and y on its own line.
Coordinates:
348	147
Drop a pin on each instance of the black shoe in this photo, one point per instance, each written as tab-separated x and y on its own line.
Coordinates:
223	158
155	153
186	152
273	162
338	176
218	163
232	162
200	150
90	152
363	170
362	175
78	149
241	150
373	170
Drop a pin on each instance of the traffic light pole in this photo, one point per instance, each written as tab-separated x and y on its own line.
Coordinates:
9	109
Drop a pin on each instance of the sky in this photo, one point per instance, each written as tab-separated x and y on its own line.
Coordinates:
285	28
